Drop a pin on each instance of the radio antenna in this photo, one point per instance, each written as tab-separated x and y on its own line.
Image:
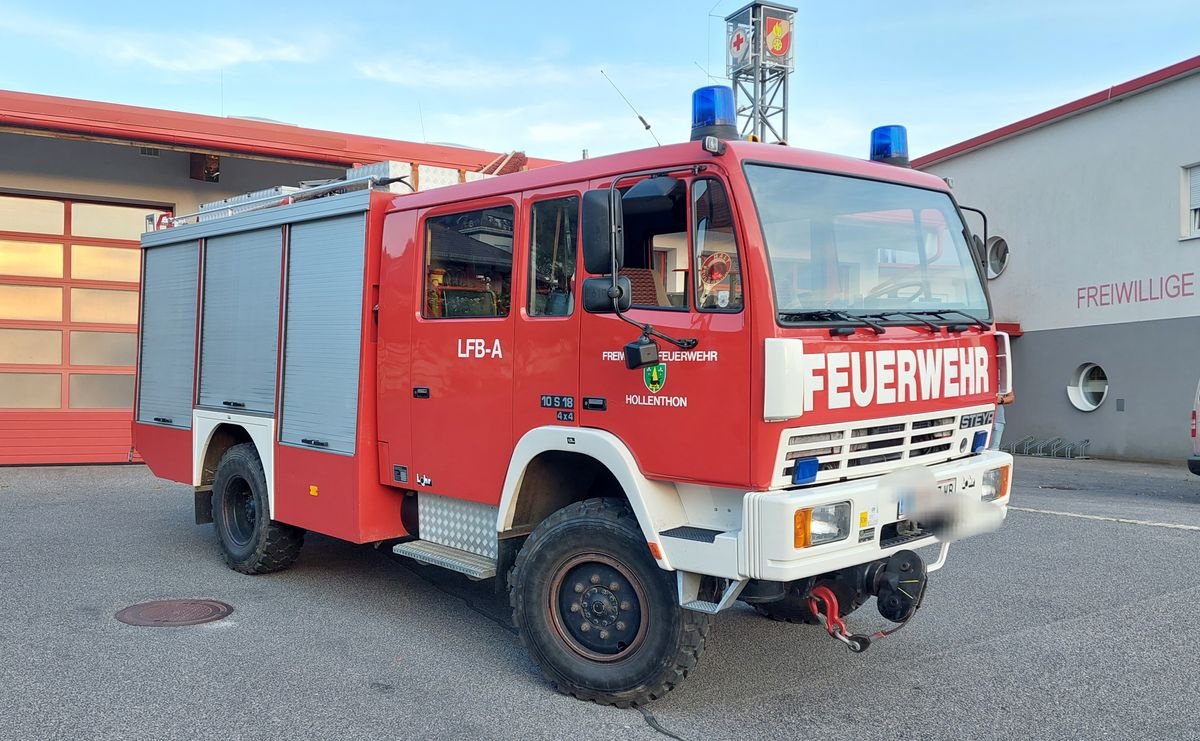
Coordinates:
640	117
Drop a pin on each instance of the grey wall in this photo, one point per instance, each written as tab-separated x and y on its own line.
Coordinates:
114	171
1154	366
1092	199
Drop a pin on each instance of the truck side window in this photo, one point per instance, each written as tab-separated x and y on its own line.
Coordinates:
656	252
718	271
553	242
468	263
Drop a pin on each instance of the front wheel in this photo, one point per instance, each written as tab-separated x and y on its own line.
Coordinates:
250	540
597	614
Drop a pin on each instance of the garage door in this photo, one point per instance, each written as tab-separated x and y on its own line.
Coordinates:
69	274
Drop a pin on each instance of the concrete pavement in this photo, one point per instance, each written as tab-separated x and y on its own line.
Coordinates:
1052	627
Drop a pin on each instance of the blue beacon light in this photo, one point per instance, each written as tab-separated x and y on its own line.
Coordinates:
713	114
806	470
889	144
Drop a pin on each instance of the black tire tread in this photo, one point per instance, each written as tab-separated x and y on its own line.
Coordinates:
280	545
695	628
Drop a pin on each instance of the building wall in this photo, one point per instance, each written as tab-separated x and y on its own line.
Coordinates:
1094	211
113	171
69	273
1152	371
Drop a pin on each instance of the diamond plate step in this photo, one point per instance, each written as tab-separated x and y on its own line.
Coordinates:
436	554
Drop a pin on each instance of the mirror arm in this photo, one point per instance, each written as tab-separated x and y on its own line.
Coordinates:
982	215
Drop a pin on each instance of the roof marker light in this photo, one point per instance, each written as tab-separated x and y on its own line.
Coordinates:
712	113
889	144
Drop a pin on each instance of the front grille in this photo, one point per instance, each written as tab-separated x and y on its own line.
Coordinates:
876	446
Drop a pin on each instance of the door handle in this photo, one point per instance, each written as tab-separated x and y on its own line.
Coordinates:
420	392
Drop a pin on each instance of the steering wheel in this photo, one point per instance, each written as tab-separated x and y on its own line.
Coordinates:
898	284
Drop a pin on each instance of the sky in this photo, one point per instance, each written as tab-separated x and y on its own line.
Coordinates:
527	76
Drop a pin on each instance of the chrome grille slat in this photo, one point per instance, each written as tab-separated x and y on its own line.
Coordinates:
872	447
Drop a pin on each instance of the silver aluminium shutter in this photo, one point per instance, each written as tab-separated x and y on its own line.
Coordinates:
239	331
323	333
1194	182
168	333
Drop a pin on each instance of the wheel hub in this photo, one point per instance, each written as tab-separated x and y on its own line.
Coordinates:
598	607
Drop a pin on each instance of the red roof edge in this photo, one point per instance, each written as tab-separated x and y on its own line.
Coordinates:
1116	92
232	135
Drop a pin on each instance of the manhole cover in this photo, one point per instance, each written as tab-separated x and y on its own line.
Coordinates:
173	612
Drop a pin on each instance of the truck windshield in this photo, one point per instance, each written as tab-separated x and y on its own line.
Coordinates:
847	246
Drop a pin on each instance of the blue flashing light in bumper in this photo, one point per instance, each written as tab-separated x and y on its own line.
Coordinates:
979	444
805	471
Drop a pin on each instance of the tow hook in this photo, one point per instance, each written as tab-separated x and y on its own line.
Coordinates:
834	624
898	585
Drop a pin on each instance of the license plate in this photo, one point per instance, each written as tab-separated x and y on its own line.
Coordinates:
945	486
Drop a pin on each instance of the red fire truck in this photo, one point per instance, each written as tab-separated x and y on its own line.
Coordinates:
633	390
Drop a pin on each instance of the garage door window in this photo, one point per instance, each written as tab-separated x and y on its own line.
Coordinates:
69	280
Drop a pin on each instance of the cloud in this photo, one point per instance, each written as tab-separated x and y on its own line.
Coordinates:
462	73
171	52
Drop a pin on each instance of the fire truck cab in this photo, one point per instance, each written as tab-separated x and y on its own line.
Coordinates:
632	389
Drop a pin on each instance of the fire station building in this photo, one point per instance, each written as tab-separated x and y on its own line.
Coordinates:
1099	202
77	181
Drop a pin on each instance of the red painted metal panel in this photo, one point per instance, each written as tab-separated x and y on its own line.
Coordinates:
470	390
167	451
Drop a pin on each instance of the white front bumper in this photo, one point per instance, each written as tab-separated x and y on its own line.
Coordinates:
766	543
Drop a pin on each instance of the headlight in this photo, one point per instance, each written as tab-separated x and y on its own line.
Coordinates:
995	484
827	523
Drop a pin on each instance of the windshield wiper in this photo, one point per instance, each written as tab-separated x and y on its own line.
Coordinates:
940	312
922	320
825	315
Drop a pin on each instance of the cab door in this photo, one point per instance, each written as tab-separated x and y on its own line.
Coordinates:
463	350
687	417
546	391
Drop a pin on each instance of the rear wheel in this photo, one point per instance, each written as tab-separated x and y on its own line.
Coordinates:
250	540
597	614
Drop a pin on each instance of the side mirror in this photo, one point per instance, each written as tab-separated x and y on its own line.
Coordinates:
596	299
602	231
641	353
979	250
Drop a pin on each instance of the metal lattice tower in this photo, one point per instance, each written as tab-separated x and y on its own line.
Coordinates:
759	60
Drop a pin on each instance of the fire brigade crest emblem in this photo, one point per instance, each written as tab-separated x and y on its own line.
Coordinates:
655	376
779	37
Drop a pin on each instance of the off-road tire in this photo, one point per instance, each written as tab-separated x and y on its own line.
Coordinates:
250	541
793	608
561	550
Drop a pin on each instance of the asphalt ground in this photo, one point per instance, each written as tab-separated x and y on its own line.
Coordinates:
1054	627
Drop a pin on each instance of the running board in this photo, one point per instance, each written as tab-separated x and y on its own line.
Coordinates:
689	593
436	554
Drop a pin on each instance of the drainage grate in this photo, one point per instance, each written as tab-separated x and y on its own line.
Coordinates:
174	612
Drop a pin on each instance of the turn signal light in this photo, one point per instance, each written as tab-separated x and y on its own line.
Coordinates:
995	483
803	528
